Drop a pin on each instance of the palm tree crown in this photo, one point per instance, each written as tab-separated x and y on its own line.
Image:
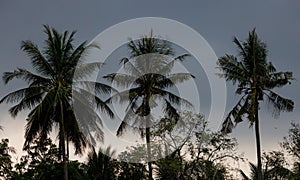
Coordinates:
255	76
147	81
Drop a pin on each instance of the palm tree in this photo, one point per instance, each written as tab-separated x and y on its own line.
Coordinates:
49	95
256	79
148	72
101	165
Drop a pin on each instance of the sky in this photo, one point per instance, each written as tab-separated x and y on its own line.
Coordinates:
276	22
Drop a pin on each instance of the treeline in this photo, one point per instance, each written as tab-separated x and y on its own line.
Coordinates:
204	155
61	95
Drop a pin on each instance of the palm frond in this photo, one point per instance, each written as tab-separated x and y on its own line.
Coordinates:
232	69
74	133
173	98
170	111
240	46
84	71
40	119
182	57
244	176
279	103
130	68
28	102
18	95
24	75
180	77
39	62
277	79
236	115
123	80
87	118
77	56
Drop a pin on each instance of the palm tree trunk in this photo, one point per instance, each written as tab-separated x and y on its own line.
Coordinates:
146	112
65	165
258	148
149	152
67	141
63	144
257	134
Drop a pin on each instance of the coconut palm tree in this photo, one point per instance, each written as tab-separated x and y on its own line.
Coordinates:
49	95
147	81
256	79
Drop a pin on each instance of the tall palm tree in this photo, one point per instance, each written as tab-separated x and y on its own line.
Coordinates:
49	95
148	71
256	79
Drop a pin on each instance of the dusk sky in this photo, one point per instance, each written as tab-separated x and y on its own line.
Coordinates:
276	22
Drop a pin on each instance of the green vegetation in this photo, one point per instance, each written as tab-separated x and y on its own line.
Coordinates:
179	144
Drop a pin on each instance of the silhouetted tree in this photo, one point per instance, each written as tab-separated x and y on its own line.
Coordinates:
49	95
256	79
149	73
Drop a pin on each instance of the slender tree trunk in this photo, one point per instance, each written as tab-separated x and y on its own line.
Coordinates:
258	148
63	144
149	152
65	165
257	134
67	141
146	113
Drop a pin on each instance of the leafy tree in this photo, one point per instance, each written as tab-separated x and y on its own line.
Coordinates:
77	171
49	93
177	134
42	163
275	165
292	141
209	154
148	73
296	171
256	79
197	152
270	172
42	157
5	158
291	144
171	167
134	171
186	151
173	139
